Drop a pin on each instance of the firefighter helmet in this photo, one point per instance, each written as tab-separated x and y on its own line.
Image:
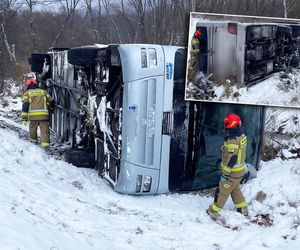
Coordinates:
31	75
197	33
30	81
232	120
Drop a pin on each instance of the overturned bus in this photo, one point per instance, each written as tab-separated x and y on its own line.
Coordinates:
123	109
245	49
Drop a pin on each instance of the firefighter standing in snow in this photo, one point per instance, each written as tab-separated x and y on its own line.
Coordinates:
232	167
193	67
35	109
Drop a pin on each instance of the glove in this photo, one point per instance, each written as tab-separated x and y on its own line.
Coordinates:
24	123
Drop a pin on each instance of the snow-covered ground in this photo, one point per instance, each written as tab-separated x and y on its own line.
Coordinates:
274	91
47	203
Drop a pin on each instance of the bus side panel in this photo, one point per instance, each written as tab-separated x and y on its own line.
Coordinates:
142	122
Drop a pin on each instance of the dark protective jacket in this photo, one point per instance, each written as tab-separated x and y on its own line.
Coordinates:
195	46
36	104
233	155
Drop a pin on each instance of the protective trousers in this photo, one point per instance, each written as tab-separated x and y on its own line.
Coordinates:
45	133
192	68
229	186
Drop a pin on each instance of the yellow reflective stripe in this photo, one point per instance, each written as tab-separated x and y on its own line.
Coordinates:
239	158
195	41
194	51
32	140
41	110
229	169
45	102
35	92
241	205
24	113
231	146
225	168
243	142
25	98
226	185
215	208
45	144
238	169
33	113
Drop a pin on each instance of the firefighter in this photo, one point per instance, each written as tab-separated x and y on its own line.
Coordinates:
193	65
232	168
35	109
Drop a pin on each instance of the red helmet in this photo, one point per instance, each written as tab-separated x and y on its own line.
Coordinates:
197	33
232	120
30	81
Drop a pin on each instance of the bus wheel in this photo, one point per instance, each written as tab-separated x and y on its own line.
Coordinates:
80	158
82	56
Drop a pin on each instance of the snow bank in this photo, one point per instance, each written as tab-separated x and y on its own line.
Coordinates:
49	204
275	91
283	120
10	100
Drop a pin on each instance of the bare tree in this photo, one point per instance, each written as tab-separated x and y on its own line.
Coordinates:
288	6
107	7
5	6
1	50
31	4
129	22
69	7
140	7
89	9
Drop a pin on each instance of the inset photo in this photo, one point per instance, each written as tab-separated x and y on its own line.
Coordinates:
243	59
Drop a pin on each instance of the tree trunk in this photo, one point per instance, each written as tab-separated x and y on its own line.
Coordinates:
1	55
1	63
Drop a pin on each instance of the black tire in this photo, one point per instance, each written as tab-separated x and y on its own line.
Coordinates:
37	61
82	56
80	158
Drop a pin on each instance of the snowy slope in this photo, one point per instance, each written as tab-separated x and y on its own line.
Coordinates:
49	204
275	91
283	120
